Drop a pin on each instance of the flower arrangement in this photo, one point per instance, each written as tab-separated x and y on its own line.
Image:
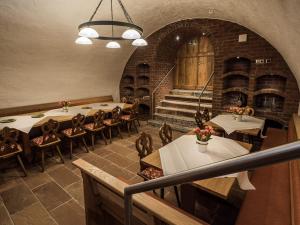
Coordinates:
65	105
237	110
204	135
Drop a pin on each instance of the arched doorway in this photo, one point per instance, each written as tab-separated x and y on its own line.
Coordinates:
194	64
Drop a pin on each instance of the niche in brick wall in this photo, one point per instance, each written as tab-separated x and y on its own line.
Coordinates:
144	111
128	91
142	92
268	102
128	80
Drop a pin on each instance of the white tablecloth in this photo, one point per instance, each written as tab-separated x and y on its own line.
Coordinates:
229	124
25	123
183	154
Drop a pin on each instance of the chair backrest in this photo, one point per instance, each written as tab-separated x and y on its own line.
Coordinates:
50	130
77	124
205	115
124	99
8	141
198	119
134	110
165	134
116	114
144	145
249	111
99	117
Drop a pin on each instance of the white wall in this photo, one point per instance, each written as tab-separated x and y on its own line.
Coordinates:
39	61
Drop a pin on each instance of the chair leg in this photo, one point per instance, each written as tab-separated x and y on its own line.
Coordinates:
128	127
59	153
43	160
177	196
22	165
93	141
162	193
71	148
109	130
103	136
137	131
85	145
119	131
138	121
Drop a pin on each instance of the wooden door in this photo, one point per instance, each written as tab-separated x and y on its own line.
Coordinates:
195	63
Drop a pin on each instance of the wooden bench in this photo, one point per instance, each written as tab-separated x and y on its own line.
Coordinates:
104	202
271	202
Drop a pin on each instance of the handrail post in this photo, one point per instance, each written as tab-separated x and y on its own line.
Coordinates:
155	89
128	208
206	85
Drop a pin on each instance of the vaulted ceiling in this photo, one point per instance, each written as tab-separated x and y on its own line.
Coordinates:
39	61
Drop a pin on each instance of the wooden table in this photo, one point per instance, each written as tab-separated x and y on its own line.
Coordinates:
26	139
253	132
220	187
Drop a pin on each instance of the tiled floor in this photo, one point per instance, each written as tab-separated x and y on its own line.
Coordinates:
55	197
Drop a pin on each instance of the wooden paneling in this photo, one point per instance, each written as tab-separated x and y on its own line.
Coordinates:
104	196
195	63
52	105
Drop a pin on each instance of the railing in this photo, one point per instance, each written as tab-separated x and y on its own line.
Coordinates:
156	88
247	162
209	79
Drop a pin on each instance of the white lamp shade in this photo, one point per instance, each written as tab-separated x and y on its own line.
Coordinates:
88	32
140	42
131	34
83	41
113	44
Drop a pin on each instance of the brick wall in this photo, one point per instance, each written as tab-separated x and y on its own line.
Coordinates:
160	55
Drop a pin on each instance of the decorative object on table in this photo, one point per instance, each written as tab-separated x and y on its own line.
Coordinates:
11	120
104	104
249	111
40	115
203	136
86	107
130	31
237	112
65	105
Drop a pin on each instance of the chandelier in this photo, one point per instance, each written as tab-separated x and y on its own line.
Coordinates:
87	33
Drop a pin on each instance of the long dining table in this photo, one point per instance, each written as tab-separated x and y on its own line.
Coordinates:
220	187
28	122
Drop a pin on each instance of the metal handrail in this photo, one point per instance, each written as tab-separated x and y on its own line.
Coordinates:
246	162
155	89
209	79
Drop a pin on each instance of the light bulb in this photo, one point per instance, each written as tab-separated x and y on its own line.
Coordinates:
113	44
88	32
83	41
140	42
131	34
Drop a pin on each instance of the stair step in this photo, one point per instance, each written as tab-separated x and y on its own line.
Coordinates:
176	111
188	98
185	104
190	92
158	123
174	117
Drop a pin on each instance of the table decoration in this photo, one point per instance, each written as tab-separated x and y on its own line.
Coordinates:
203	136
65	105
7	120
104	104
237	112
86	107
40	115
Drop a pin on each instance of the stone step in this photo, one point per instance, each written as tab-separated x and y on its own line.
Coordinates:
180	121
158	123
185	104
188	98
175	111
196	93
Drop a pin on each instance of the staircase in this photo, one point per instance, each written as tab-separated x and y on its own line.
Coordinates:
178	108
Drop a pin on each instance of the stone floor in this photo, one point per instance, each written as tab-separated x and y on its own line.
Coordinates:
55	197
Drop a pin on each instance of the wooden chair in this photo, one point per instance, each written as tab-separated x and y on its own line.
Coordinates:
165	134
97	126
76	131
144	146
130	118
249	111
124	100
137	102
48	139
115	121
205	115
9	147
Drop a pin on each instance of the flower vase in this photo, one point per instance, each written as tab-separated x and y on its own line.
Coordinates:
202	146
239	118
65	109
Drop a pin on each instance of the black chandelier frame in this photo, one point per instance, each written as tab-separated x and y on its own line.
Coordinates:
129	24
